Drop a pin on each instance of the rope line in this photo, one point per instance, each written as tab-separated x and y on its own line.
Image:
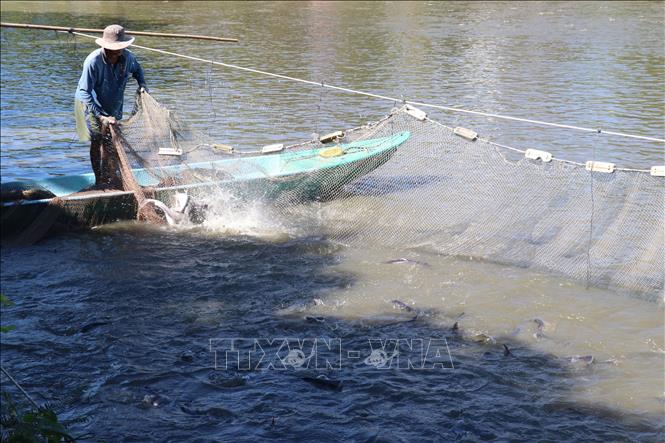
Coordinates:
392	99
20	388
522	151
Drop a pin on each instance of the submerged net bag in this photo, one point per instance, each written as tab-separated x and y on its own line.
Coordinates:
432	190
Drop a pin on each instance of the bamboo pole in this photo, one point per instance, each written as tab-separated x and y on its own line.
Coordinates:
144	33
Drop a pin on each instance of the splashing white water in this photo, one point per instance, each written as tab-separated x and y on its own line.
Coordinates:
226	214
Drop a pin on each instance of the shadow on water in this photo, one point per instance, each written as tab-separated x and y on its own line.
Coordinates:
117	325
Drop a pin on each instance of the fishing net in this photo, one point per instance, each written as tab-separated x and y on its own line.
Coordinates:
416	184
443	193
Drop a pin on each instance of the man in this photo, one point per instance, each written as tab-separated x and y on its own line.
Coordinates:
100	93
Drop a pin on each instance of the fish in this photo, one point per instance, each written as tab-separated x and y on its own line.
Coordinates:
232	382
484	338
213	412
383	322
540	327
153	400
455	328
187	357
171	216
90	326
402	260
540	323
219	412
585	360
221	380
506	350
397	304
528	327
323	382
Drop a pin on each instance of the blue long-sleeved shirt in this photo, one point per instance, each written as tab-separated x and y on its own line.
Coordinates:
102	85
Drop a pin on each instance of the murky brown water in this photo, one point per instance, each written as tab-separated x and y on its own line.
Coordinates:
108	317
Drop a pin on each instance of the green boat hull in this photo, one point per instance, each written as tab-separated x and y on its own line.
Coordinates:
290	177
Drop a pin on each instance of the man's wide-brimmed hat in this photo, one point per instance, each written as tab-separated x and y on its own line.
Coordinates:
114	38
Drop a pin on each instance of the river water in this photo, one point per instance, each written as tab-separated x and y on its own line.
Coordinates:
128	325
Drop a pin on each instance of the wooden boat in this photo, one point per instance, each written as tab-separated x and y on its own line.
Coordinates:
290	175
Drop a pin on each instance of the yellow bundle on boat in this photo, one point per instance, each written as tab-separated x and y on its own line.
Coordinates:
335	151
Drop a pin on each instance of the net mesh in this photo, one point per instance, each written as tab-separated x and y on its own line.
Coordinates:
430	189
